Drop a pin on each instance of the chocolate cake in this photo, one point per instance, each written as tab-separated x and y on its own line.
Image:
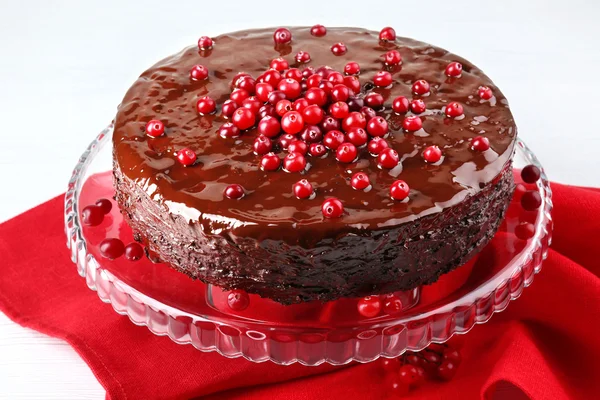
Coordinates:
313	163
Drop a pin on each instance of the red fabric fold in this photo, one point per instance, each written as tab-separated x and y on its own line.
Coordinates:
546	343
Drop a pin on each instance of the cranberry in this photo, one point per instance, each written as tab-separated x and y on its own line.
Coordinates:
267	111
346	153
205	43
388	158
336	78
400	105
92	215
357	137
454	69
352	68
333	139
340	93
105	205
298	146
390	364
326	86
318	30
111	248
524	230
285	140
302	57
352	83
271	77
247	83
339	110
432	154
239	95
388	33
412	124
316	96
485	93
186	157
302	189
199	72
531	200
369	306
408	374
238	77
360	181
275	97
279	64
354	120
382	79
308	71
133	251
446	370
339	49
392	304
452	355
454	109
155	128
243	118
283	107
270	162
417	106
282	36
262	145
295	74
229	107
292	122
294	162
332	208
269	127
234	191
263	90
238	300
317	150
368	113
206	105
399	190
377	145
480	143
530	174
392	57
313	114
421	87
374	100
290	87
330	124
314	81
252	104
229	130
377	126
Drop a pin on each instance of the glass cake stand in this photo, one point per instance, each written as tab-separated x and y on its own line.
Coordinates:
190	312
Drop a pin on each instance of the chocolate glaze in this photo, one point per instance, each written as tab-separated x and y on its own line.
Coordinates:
269	210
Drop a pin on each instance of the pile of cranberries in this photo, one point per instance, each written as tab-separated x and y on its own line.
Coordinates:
412	369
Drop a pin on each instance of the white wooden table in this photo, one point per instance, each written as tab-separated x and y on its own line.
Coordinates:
66	64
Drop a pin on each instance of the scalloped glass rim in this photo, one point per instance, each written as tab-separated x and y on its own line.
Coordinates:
367	342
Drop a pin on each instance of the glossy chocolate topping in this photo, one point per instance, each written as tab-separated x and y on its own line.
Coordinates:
269	209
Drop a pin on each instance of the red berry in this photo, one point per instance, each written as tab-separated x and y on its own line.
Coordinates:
267	111
318	30
133	251
155	128
339	49
420	87
238	300
530	174
531	200
302	189
357	137
374	100
292	122
339	110
346	153
239	95
300	104
352	68
368	112
92	215
452	355
229	107
294	73
377	145
199	72
252	104
412	124
400	105
399	190
417	106
243	118
390	364
316	96
332	208
446	370
283	107
524	230
111	248
360	181
340	93
302	57
392	57
270	162
388	158
392	304
247	83
324	71
336	78
369	306
377	126
271	77
285	140
205	43
263	90
326	86
432	358
294	162
307	72
408	374
105	205
298	146
282	36
330	124
206	105
186	157
229	130
388	33
355	103
354	120
480	143
311	133
382	79
238	77
262	145
275	97
352	83
454	109
313	114
234	191
290	88
314	81
317	150
421	376
333	139
485	93
269	127
454	69
432	154
279	64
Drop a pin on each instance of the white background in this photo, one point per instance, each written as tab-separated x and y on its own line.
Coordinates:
65	65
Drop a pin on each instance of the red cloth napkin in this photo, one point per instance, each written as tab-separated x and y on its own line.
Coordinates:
547	343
